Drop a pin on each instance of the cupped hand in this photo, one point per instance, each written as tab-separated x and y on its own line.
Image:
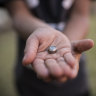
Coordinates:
61	65
46	64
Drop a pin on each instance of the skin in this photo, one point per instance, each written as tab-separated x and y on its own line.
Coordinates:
39	36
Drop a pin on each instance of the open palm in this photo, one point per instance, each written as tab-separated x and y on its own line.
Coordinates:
61	65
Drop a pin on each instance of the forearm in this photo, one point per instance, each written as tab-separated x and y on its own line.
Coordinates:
24	22
26	25
77	28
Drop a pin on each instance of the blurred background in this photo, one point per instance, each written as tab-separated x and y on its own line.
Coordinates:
8	49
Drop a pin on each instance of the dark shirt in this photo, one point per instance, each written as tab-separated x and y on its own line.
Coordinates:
52	12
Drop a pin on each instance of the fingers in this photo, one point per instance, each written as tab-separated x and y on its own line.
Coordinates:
64	66
59	68
75	70
82	45
30	50
69	59
40	68
54	68
68	72
66	53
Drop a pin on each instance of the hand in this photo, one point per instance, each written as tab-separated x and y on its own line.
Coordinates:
78	47
35	50
62	65
46	65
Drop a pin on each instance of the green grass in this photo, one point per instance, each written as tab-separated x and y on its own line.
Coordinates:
8	54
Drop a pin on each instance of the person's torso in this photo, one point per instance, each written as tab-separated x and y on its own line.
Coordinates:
56	13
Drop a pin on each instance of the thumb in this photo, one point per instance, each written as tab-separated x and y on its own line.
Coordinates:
82	45
30	51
